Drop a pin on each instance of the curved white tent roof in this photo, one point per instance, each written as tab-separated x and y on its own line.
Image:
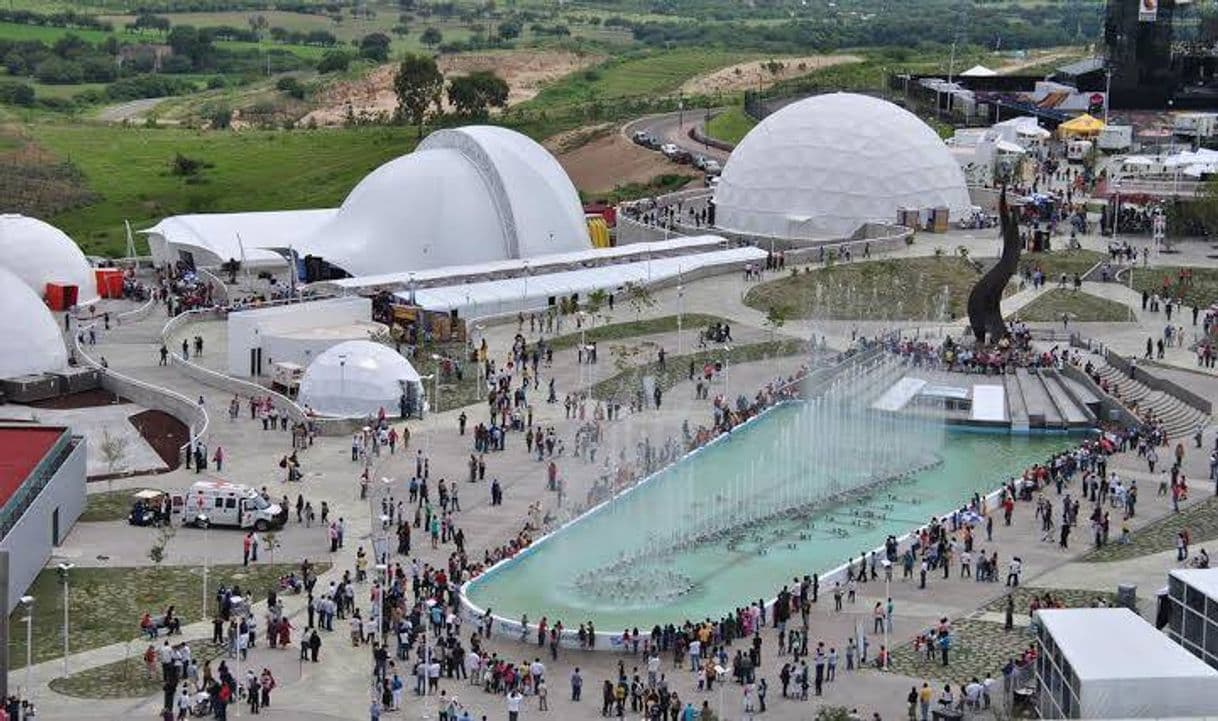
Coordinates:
466	195
213	238
355	378
32	341
823	166
39	253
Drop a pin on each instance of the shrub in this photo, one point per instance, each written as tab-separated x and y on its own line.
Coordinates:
13	93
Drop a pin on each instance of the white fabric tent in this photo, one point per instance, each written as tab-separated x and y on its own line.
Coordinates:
560	261
32	339
821	167
512	295
357	378
1125	667
978	71
39	253
466	195
213	238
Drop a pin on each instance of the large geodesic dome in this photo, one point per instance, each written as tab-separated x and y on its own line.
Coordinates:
32	340
39	253
821	167
357	378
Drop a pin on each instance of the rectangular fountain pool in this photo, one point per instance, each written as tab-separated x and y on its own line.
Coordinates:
798	490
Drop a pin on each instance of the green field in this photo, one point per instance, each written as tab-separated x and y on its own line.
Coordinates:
640	74
1077	306
730	125
17	31
250	170
105	604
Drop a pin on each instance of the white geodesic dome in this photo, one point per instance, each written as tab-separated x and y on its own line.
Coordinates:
32	340
39	253
356	378
823	166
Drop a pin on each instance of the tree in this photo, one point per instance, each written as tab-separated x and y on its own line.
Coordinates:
258	23
597	300
473	94
114	451
431	37
334	61
639	297
418	85
375	47
156	553
776	317
509	29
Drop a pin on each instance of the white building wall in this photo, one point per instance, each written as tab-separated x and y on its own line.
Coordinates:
1171	697
245	328
29	542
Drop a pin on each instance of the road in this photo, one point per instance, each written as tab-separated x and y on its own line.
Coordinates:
131	110
673	128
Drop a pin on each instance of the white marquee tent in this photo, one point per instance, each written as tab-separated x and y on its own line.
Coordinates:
512	295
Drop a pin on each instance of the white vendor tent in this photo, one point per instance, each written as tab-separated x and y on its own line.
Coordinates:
978	71
1111	663
358	378
537	292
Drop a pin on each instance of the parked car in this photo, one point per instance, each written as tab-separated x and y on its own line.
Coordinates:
700	161
669	150
681	156
640	137
712	166
711	181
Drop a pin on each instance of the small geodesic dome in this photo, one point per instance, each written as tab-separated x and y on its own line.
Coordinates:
357	378
821	167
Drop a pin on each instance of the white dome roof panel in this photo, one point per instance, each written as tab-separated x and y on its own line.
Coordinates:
32	340
39	253
823	166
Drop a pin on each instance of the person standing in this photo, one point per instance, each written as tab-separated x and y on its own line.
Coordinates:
577	684
513	705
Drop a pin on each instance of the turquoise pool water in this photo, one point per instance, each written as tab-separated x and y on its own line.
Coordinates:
793	492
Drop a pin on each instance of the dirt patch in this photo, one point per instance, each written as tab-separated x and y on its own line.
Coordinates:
525	72
750	75
164	433
610	160
35	182
84	399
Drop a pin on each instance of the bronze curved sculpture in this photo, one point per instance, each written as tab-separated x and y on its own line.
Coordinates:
984	301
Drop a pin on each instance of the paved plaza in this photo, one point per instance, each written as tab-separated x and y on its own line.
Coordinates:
338	686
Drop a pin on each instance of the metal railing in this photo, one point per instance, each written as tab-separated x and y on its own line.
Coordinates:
171	402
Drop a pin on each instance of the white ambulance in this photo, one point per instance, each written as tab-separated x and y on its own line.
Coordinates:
220	503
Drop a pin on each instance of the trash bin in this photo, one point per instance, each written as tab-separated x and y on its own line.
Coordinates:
1127	596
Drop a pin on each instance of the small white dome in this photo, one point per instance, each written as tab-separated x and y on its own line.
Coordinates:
32	340
467	195
39	253
356	378
823	166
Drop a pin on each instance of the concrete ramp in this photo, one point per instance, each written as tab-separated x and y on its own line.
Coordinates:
989	404
899	394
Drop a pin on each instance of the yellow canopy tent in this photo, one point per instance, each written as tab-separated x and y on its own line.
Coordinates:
1084	126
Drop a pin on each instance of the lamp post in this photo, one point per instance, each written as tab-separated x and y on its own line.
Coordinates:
412	289
435	401
727	375
28	602
342	375
680	314
64	568
524	293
